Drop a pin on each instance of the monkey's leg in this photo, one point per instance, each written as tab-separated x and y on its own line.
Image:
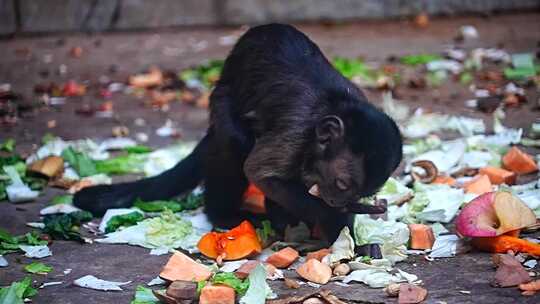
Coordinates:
225	183
279	216
333	222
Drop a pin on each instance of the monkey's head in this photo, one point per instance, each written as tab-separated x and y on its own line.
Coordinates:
355	152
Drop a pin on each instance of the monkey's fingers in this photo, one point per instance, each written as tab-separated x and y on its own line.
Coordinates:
379	207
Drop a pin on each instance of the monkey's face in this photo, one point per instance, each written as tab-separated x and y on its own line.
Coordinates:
334	173
338	180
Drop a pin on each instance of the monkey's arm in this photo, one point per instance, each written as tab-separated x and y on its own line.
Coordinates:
225	125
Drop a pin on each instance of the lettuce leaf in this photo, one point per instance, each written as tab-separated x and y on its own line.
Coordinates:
17	291
144	295
258	290
80	161
38	267
230	279
123	220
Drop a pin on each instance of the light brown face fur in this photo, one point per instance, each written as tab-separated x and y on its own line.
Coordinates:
339	180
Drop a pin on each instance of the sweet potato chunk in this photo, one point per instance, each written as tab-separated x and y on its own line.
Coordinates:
283	258
519	162
183	268
319	254
422	236
479	185
498	176
315	271
217	294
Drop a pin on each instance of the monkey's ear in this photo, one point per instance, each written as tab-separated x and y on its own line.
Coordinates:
329	129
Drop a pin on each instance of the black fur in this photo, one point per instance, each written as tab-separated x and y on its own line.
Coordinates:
275	88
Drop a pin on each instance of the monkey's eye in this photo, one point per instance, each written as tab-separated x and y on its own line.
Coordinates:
341	184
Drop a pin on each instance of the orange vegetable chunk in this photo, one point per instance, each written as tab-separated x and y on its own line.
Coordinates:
503	243
519	162
283	258
253	200
319	254
315	271
217	294
479	185
498	176
237	243
422	236
446	180
181	267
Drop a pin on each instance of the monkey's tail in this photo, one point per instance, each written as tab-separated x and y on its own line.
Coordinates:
184	176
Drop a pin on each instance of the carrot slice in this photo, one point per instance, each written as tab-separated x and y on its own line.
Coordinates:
254	200
422	236
519	162
498	176
503	243
446	180
479	185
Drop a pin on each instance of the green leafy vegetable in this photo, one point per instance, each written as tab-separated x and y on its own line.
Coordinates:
138	149
266	232
207	73
230	279
158	206
62	199
419	59
81	162
124	220
465	78
167	230
123	164
436	78
66	226
192	201
200	286
365	259
144	295
10	244
17	291
10	160
189	202
48	137
523	67
354	67
3	194
8	145
38	267
258	290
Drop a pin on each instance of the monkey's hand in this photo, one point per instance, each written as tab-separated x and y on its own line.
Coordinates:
378	207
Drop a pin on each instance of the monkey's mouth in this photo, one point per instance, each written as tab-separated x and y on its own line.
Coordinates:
314	190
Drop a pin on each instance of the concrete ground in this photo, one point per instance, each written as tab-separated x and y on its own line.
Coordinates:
25	61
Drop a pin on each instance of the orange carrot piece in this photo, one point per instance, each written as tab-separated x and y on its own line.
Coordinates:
503	243
422	236
182	267
283	258
519	162
254	200
479	185
499	176
319	254
446	180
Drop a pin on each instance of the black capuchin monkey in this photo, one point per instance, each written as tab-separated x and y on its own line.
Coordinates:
282	118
